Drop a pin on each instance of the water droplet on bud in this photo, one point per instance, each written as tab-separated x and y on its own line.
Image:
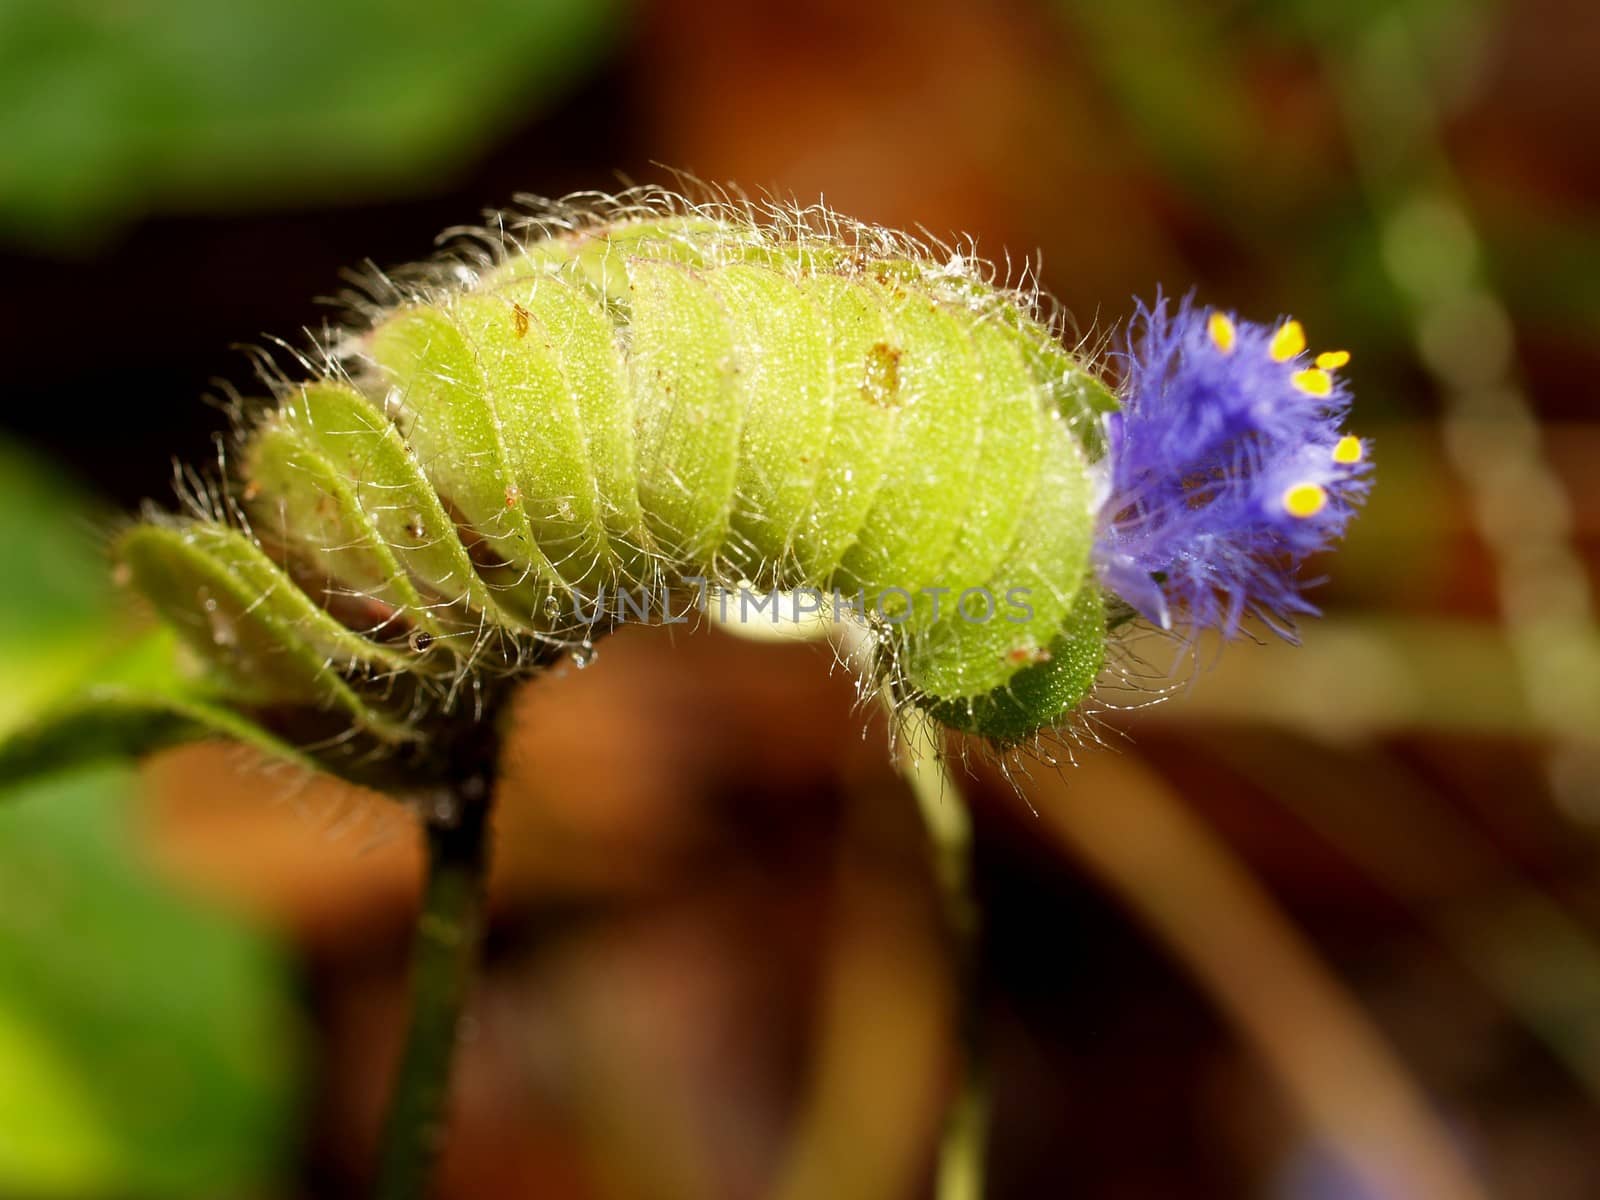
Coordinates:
223	633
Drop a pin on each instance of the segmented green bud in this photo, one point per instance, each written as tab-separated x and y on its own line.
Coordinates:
647	394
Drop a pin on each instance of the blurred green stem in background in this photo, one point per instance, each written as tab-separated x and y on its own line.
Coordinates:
1127	827
1417	270
949	826
1465	338
1522	944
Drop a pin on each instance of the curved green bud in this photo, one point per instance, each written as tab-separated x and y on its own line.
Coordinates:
620	400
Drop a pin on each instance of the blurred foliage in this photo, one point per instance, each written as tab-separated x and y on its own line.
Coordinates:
108	110
54	599
147	1047
1218	121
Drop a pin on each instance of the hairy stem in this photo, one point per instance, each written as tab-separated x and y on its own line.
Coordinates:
445	953
949	826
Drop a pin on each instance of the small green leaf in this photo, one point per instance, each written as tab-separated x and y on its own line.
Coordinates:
138	702
264	636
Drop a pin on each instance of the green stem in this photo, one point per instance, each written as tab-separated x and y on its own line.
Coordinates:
949	826
445	951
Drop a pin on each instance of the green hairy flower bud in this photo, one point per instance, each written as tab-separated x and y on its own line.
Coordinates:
644	393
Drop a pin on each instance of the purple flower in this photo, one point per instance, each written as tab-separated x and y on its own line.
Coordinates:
1225	469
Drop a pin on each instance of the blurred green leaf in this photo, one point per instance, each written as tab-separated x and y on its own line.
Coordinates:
55	601
147	1048
108	110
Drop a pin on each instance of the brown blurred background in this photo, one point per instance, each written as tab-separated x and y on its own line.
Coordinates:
1330	916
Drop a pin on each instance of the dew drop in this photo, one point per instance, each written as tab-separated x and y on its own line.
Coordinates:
552	605
223	633
415	527
583	654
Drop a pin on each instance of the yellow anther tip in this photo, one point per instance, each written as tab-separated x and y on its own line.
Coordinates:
1348	450
1332	360
1288	341
1222	332
1305	500
1313	382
